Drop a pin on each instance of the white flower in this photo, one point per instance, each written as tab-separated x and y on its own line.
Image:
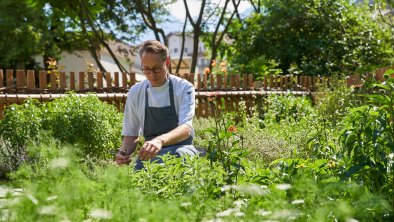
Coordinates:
283	186
227	212
48	210
3	191
59	163
100	214
54	197
300	201
227	187
239	214
351	220
239	203
262	212
186	204
32	198
251	189
286	214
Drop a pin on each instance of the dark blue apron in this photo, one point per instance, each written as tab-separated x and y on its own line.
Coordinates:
161	120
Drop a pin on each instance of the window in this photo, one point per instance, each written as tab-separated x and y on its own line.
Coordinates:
175	50
185	50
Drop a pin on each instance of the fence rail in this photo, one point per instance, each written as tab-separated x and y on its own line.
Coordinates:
16	87
30	81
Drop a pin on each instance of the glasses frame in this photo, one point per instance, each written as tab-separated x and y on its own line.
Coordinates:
154	70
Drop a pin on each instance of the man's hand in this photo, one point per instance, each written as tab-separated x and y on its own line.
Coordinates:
122	158
150	149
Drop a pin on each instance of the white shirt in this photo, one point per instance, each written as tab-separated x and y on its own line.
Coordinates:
134	113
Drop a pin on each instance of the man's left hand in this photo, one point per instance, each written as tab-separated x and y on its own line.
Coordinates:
150	149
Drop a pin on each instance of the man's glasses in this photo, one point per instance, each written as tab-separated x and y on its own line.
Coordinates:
154	70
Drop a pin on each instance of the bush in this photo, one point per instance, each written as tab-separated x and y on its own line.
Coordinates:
21	124
88	123
93	126
287	107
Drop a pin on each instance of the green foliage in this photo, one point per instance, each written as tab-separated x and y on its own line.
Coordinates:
333	103
86	121
94	125
318	36
368	140
21	123
179	190
223	143
287	107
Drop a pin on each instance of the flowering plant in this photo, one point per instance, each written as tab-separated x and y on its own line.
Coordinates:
217	69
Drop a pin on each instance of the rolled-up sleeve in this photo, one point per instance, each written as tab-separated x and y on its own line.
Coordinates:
187	106
131	121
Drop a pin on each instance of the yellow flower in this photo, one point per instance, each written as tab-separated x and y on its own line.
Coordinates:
51	61
222	64
331	164
302	165
224	70
213	64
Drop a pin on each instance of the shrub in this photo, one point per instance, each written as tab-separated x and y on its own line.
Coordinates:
287	107
91	125
367	140
21	124
86	122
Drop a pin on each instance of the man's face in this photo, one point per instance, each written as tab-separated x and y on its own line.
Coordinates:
154	68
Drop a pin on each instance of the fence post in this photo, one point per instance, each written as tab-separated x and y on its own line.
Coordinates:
72	80
211	82
108	79
250	81
237	82
42	78
124	80
232	82
31	80
20	78
10	77
116	75
90	80
132	79
63	81
205	87
198	81
244	81
81	80
100	80
1	78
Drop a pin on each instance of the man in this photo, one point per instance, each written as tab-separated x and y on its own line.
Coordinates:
160	108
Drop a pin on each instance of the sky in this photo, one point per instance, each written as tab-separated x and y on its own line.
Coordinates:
178	12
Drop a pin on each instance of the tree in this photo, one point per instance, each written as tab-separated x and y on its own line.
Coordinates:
25	33
211	15
46	27
317	36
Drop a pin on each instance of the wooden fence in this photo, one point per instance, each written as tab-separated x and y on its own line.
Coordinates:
16	87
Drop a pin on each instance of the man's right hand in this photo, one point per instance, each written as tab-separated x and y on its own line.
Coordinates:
122	158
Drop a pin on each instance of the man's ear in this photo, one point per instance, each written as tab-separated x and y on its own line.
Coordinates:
168	62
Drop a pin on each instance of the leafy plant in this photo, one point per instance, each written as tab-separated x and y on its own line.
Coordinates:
224	144
368	140
94	125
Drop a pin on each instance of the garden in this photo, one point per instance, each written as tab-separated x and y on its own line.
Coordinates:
328	157
323	152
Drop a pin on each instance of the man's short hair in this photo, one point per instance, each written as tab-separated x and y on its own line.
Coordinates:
154	46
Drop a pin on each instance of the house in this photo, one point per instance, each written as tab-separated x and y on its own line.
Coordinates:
175	46
82	60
